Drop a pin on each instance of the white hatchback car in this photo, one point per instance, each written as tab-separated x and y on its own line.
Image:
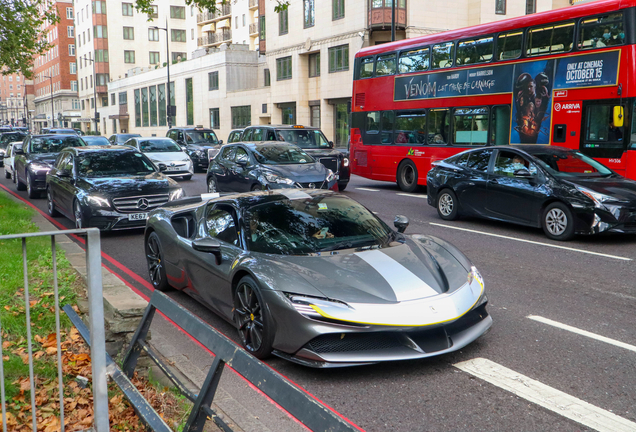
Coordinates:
166	154
9	159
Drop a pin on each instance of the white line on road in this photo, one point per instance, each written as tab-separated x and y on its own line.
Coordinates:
582	332
412	195
369	190
546	396
533	242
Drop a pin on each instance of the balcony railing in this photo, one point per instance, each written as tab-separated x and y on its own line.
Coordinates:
221	12
380	16
215	38
253	28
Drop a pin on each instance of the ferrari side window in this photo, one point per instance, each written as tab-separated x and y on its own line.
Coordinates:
220	224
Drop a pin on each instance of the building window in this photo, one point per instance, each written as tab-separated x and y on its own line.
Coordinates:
145	114
74	85
192	34
127	9
101	55
213	81
178	56
178	36
339	58
104	101
177	12
236	22
123	98
283	22
288	114
83	107
69	13
137	109
70	31
154	57
315	116
264	108
155	11
72	67
244	20
153	35
75	102
531	6
267	78
338	9
309	13
189	102
241	116
261	21
215	120
101	79
283	68
99	7
112	98
161	103
314	65
500	7
92	103
129	56
153	105
71	50
100	32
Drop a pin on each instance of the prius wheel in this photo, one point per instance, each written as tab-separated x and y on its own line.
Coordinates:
50	206
211	185
557	222
252	319
447	205
156	268
407	176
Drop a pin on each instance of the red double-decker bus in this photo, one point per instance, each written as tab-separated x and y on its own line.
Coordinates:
555	77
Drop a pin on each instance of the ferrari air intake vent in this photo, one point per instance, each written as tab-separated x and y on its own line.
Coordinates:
331	343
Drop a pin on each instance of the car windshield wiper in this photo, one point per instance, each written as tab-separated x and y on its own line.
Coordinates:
345	244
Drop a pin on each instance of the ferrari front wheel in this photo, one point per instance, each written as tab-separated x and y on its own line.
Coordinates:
156	266
252	319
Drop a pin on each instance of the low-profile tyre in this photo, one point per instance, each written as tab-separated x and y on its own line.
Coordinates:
154	258
407	176
342	185
558	223
186	177
447	205
7	174
31	192
257	187
252	319
211	185
50	206
80	220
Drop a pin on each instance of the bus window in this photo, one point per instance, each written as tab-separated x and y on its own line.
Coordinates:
475	51
550	39
443	55
385	65
471	126
438	126
600	126
413	61
601	31
500	125
509	45
372	128
366	67
410	127
387	127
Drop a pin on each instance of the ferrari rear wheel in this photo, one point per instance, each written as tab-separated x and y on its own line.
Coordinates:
252	319
156	268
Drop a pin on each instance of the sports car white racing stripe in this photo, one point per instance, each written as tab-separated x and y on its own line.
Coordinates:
405	284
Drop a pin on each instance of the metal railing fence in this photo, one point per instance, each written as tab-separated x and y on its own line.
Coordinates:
96	320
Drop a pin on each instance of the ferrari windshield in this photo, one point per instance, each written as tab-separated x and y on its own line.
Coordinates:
281	154
54	145
304	224
303	138
201	137
159	146
571	164
112	164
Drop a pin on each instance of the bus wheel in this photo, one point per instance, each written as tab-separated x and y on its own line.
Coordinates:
407	176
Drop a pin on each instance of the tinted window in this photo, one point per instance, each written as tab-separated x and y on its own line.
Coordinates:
96	140
571	164
550	39
241	155
438	126
304	138
508	163
413	61
500	125
385	65
281	154
479	160
388	118
509	45
443	55
471	126
475	51
373	122
64	162
600	128
228	153
158	146
107	164
220	224
366	67
247	135
601	31
257	135
53	145
201	137
410	127
459	160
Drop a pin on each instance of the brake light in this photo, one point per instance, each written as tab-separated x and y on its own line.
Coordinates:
356	136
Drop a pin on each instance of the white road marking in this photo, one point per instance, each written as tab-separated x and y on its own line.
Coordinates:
533	242
375	212
369	190
582	332
412	195
546	396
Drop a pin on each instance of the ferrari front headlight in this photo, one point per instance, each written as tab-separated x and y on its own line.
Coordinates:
309	306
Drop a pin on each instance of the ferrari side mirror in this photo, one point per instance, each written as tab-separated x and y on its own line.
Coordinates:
209	245
401	222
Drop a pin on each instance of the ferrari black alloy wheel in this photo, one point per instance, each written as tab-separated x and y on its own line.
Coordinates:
252	319
154	257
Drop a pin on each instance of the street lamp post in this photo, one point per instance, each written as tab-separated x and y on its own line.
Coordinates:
168	105
94	89
52	108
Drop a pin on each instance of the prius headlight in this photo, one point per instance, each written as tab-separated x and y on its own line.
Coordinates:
97	201
308	306
273	178
176	194
597	197
330	175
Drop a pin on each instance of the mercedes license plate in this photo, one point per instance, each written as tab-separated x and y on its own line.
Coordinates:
137	216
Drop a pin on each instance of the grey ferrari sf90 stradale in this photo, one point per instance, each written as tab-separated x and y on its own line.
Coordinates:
314	277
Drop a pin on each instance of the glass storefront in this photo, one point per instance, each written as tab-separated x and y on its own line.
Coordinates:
341	126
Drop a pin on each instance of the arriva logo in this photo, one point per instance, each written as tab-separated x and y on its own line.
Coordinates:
567	106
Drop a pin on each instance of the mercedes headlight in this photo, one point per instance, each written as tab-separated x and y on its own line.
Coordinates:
273	178
330	175
35	167
598	198
176	194
345	162
97	201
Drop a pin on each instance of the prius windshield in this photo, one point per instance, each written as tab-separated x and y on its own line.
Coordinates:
303	224
571	164
159	146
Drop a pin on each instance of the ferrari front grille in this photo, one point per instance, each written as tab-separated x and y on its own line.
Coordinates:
141	203
349	342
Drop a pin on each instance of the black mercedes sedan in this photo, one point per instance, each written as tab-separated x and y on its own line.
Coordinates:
34	160
244	167
108	187
554	188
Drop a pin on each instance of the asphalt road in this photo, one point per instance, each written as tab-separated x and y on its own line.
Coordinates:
588	284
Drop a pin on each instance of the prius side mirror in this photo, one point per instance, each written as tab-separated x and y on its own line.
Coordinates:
401	222
209	245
